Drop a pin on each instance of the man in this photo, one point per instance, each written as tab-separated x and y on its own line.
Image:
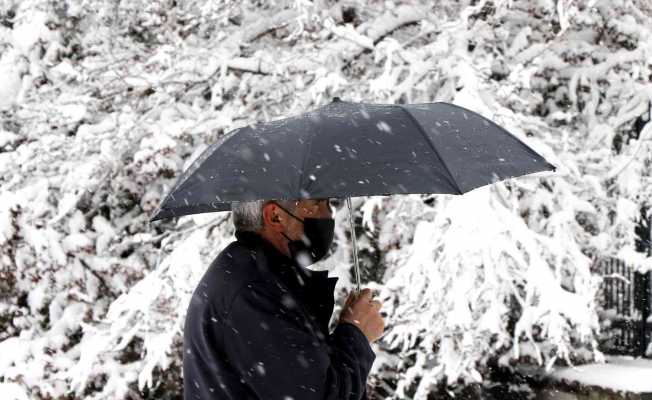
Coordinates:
257	323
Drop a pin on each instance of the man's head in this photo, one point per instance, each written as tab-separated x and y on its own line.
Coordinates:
280	221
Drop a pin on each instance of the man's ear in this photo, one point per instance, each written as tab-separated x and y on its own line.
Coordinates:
272	217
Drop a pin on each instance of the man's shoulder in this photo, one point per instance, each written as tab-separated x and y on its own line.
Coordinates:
232	268
235	257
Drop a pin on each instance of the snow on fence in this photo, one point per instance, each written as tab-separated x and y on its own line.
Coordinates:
625	300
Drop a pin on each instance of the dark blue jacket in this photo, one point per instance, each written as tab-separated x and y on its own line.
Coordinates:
257	328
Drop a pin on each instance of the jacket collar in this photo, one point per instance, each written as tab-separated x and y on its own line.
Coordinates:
314	288
279	262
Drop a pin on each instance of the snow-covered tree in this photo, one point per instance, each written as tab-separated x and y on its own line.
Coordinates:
104	103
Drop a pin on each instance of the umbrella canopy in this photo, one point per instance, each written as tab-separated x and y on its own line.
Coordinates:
348	149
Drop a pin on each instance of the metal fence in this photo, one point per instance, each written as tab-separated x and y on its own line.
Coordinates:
626	303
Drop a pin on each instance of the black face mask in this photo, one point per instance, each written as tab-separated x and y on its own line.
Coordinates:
318	236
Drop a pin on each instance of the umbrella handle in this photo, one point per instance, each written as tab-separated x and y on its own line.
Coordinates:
355	246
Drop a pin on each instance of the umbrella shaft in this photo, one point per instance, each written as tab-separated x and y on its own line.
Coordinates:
355	246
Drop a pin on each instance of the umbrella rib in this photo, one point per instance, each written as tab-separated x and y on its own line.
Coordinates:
449	176
506	132
208	152
305	157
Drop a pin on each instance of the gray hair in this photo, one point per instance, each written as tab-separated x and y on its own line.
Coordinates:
248	215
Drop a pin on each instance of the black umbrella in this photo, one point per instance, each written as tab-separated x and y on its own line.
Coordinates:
346	149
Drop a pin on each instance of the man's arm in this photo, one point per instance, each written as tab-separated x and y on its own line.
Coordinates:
277	352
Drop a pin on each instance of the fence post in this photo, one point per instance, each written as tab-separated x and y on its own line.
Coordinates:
644	298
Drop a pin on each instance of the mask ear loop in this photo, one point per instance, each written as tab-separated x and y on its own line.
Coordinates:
282	208
289	213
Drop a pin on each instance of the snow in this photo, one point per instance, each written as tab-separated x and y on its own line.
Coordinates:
368	210
10	78
13	391
7	138
76	242
29	31
73	112
7	229
622	374
98	120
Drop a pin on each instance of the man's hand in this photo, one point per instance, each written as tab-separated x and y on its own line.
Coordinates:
364	313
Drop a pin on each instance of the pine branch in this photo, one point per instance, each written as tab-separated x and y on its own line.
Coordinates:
346	49
267	25
375	30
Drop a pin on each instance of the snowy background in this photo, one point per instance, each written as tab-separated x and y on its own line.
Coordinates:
104	103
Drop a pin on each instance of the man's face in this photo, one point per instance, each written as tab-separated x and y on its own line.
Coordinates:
277	223
306	208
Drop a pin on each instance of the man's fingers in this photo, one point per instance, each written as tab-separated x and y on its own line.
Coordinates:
375	304
350	300
353	296
365	293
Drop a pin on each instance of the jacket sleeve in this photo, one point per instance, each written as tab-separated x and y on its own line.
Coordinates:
278	353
